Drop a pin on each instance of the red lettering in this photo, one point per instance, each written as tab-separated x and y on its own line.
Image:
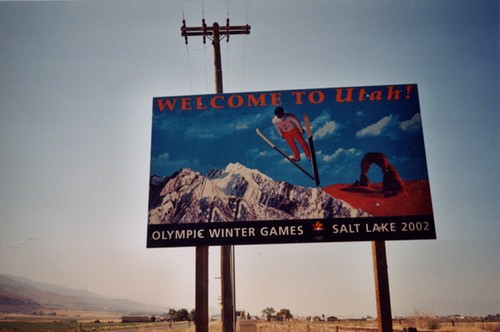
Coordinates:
376	95
362	94
320	97
276	98
238	103
167	102
186	104
408	89
393	94
298	96
261	101
199	104
213	101
347	98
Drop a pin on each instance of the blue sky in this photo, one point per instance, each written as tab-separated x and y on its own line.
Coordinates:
345	126
76	88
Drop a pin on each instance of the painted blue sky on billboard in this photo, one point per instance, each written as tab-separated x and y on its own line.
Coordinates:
348	123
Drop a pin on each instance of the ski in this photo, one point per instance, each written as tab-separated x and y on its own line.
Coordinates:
284	154
311	148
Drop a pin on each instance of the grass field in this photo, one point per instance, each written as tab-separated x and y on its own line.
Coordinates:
71	320
75	321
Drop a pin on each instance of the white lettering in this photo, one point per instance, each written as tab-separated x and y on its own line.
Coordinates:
381	227
179	234
282	231
349	228
232	232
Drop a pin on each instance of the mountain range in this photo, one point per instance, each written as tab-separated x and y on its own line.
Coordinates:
21	295
237	193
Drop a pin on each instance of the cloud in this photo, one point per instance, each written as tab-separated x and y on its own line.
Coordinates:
211	126
375	129
341	152
414	123
161	160
241	125
247	122
391	127
206	131
165	164
263	154
326	130
323	126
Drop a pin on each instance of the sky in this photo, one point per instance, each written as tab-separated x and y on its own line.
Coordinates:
76	91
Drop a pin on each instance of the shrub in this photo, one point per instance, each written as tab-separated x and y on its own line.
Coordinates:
426	321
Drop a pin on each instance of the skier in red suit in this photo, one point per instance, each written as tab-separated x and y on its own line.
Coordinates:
290	129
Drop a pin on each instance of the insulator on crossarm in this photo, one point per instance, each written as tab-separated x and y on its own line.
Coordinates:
204	26
183	30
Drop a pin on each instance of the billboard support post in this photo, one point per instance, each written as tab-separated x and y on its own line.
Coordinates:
384	315
201	297
216	33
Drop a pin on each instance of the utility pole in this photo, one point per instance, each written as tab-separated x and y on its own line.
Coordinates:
384	315
216	33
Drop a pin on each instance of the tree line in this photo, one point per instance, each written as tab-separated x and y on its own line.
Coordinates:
269	313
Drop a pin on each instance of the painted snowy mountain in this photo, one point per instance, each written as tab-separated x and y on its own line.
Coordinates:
237	193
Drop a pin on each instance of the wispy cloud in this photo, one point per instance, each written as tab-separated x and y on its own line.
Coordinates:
390	126
161	159
414	123
326	130
164	164
375	129
341	152
324	126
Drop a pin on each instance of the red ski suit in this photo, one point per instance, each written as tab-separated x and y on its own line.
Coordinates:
289	128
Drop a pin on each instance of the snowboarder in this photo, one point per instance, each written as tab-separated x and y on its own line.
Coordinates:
290	129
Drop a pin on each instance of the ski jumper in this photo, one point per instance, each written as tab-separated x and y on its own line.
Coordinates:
289	128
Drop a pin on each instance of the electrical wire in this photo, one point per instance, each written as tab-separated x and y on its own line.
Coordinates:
226	70
204	46
243	70
206	66
187	50
227	66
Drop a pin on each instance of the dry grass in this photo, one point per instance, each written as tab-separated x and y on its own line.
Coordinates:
34	323
368	326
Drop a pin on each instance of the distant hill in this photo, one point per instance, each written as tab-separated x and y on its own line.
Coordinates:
13	303
23	295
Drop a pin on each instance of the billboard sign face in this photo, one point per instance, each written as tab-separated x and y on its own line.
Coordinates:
293	166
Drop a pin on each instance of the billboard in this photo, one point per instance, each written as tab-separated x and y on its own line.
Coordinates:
292	166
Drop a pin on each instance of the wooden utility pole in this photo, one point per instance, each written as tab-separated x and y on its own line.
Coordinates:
384	315
201	296
216	33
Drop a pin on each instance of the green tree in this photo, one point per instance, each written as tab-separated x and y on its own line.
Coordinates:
284	314
181	315
192	315
268	312
171	314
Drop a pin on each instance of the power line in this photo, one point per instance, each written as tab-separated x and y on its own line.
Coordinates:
187	52
245	48
216	33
